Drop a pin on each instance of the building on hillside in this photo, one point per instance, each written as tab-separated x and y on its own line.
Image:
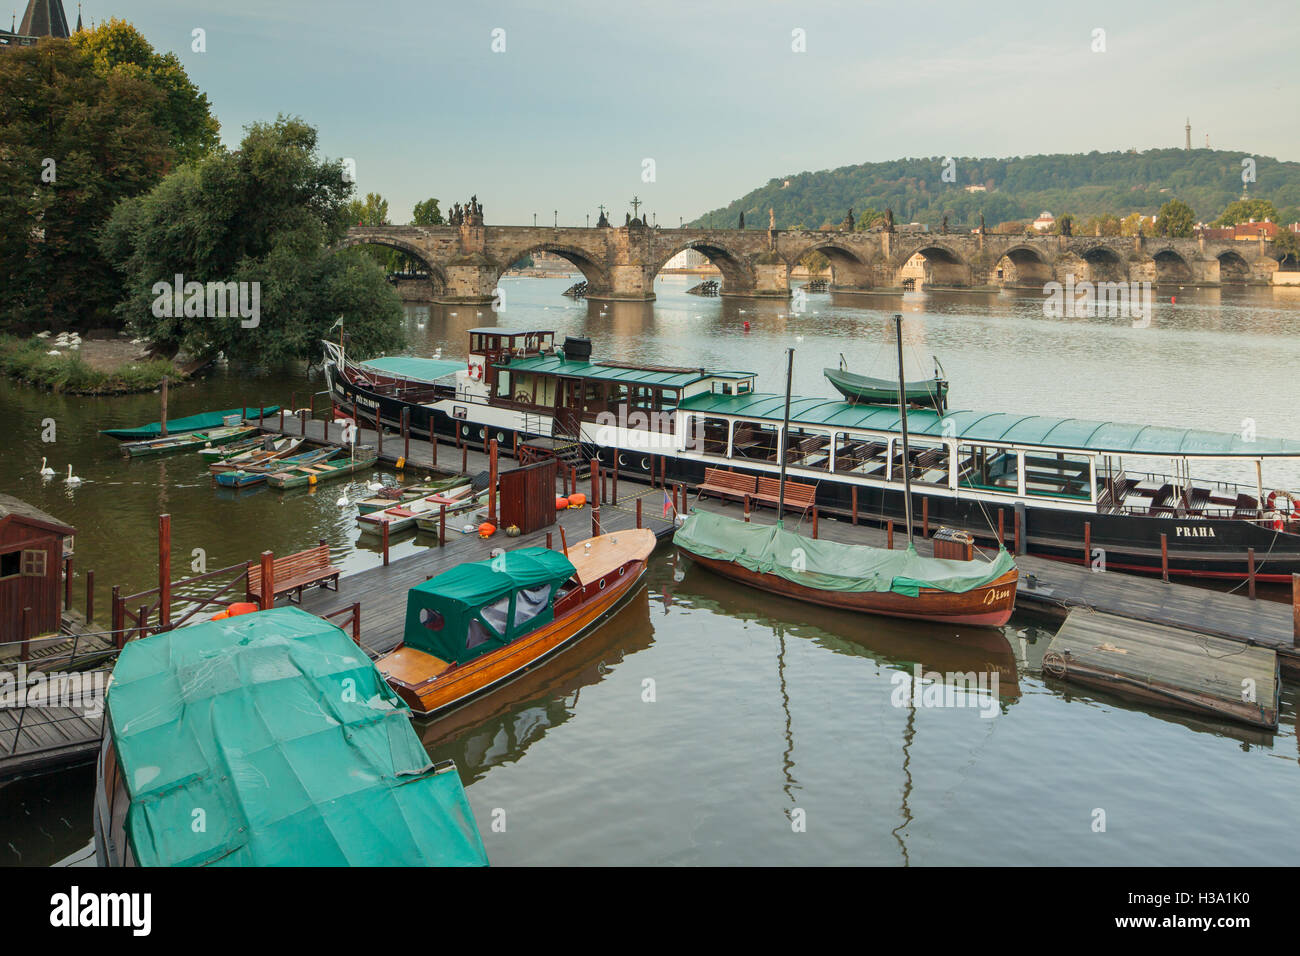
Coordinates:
32	548
42	18
977	188
1044	222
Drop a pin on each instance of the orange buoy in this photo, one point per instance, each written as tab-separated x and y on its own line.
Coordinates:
747	325
486	529
1173	300
236	609
577	500
561	503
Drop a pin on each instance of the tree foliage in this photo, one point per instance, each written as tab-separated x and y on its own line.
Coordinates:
267	213
426	213
1175	220
1244	210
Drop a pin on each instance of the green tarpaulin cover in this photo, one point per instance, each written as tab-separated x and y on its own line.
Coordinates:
269	739
191	424
829	565
409	366
452	615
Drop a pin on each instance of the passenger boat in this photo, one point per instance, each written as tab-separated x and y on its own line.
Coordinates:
301	476
402	516
245	718
1124	488
192	423
186	441
483	624
853	577
263	451
254	474
865	390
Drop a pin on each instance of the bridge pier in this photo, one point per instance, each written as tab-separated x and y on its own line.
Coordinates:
628	283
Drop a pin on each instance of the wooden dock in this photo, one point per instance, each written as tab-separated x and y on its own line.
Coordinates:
1167	666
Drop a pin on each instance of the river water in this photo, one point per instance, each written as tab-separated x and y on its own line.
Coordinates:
708	725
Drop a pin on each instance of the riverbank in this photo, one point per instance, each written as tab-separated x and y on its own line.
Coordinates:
97	367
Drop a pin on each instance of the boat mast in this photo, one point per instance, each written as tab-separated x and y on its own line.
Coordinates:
902	411
785	430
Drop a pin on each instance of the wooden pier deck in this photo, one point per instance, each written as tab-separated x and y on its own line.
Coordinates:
1050	586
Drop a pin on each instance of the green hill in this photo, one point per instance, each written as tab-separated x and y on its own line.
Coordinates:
1018	188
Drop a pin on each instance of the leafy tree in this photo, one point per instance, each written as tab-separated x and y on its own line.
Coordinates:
426	213
267	213
73	142
1131	224
1244	210
814	262
1175	220
118	49
1286	248
1107	224
372	211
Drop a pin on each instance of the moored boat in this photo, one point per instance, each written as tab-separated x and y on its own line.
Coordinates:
186	441
281	730
865	390
402	517
191	423
256	473
482	624
301	476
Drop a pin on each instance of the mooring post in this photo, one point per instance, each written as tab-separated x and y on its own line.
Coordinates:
162	431
379	434
442	525
67	583
854	493
356	622
268	580
384	534
116	615
165	572
595	497
604	485
1002	537
492	481
889	534
548	541
564	544
747	506
1250	570
90	596
1087	543
406	433
433	443
25	651
281	429
814	522
613	487
638	512
302	423
464	458
1164	557
573	477
1295	610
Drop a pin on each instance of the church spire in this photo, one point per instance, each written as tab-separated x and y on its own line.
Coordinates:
44	18
79	27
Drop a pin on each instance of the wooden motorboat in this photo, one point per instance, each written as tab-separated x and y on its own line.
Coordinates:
865	390
483	624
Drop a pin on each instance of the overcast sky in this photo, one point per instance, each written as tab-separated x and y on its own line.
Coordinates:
586	90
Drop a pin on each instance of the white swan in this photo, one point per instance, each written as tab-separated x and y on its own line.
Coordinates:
375	486
71	479
46	470
343	501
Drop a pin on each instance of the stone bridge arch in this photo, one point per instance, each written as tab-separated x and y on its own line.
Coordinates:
850	271
1023	266
437	275
944	266
1233	267
1101	263
599	281
1169	266
738	277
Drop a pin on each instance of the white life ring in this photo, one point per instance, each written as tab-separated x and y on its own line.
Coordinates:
476	372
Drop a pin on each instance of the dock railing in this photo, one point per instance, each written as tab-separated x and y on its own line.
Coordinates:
133	613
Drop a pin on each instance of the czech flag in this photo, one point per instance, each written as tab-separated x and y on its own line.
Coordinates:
668	504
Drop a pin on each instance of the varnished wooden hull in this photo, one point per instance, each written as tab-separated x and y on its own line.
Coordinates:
440	692
988	606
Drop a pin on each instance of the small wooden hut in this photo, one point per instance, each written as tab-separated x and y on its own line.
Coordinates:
32	547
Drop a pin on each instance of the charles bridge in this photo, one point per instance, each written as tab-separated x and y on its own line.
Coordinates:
465	261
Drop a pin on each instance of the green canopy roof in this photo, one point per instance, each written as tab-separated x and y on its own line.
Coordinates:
445	615
277	732
409	366
555	365
829	565
1112	438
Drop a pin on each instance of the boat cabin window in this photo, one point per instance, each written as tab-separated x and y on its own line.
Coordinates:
497	614
1058	475
475	634
988	467
530	602
860	455
711	436
755	441
807	449
929	461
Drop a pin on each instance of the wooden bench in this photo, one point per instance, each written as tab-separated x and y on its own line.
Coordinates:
293	572
726	484
797	494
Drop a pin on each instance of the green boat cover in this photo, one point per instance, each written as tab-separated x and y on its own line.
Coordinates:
269	739
478	607
409	366
829	565
191	424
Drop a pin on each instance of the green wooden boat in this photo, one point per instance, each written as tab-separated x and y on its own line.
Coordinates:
234	449
192	423
304	475
254	474
186	442
865	390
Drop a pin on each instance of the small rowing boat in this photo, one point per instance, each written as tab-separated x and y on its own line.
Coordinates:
865	390
480	625
254	474
431	522
222	452
193	423
394	495
302	476
186	442
262	453
402	517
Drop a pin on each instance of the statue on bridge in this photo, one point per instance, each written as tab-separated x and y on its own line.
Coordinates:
981	224
848	220
742	220
889	220
944	227
771	219
1066	226
603	221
